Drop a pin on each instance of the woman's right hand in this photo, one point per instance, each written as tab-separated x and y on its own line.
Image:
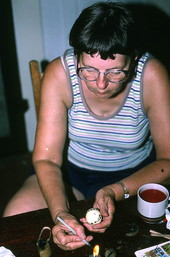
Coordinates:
64	238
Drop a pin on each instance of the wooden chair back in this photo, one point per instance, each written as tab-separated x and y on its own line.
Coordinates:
36	76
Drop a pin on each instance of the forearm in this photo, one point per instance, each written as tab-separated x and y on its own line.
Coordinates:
52	186
156	172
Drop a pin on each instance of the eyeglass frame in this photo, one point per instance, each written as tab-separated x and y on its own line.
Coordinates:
126	72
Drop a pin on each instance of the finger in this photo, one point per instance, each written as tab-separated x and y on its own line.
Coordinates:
106	206
70	242
100	226
66	239
98	230
83	220
72	224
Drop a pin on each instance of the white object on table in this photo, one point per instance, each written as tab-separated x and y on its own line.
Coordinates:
4	252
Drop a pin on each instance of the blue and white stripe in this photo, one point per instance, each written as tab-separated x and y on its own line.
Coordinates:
114	143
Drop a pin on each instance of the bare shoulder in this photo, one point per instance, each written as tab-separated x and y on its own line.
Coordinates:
54	67
155	70
56	80
156	83
156	98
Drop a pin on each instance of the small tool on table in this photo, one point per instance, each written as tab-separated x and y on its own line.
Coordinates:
157	234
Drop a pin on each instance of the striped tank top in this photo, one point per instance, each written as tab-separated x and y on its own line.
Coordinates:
118	142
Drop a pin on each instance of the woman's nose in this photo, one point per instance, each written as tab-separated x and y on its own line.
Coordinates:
102	83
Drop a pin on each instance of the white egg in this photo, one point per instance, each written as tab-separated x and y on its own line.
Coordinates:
93	216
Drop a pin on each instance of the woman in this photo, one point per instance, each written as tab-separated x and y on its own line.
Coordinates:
114	100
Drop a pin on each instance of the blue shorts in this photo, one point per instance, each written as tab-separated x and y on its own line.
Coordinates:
88	182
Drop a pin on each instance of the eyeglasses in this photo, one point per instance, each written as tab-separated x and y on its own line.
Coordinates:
112	75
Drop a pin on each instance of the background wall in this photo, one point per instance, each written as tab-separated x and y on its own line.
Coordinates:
41	31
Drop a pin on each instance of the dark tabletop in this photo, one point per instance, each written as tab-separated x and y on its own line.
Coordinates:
20	233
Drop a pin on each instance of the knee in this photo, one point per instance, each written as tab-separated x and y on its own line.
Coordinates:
78	195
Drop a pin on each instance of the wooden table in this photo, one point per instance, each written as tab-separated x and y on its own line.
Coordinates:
19	233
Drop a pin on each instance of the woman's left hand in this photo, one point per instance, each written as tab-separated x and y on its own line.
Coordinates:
105	203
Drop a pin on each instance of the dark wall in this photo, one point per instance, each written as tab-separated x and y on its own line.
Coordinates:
16	106
153	31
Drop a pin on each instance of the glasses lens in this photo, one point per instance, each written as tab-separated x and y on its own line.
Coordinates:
113	76
116	76
88	74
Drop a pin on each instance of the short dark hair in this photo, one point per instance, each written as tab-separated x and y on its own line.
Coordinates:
104	27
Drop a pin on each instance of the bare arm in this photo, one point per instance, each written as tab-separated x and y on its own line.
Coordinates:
50	136
48	153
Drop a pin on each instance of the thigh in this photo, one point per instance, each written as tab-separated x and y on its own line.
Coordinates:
28	198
